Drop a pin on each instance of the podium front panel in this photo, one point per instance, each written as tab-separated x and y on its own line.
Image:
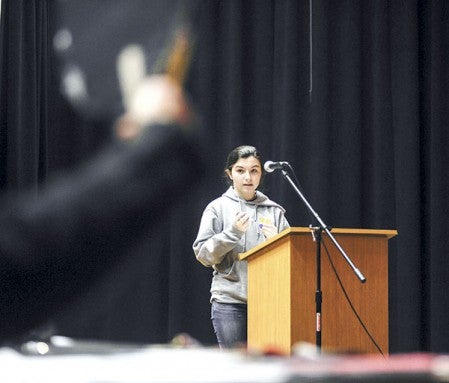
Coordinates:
282	286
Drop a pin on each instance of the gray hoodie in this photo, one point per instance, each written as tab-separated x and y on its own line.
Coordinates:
218	243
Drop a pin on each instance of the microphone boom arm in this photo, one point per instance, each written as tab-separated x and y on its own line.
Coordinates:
357	272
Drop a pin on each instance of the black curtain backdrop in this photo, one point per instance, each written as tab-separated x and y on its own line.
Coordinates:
352	93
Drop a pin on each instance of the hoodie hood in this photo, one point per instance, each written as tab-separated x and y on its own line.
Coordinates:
260	200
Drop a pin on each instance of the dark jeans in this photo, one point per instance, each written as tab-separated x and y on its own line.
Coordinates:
230	324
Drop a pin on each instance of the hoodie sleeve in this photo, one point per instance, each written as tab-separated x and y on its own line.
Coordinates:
213	242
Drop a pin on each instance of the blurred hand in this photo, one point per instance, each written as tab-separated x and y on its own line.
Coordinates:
269	230
156	100
241	221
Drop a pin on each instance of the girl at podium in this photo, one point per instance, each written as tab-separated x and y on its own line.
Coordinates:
233	223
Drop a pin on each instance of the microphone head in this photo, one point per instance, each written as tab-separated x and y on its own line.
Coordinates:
268	166
271	166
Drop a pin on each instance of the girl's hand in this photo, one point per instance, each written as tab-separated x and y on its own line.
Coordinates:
241	221
269	230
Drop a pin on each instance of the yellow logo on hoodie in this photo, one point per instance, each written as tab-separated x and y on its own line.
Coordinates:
265	220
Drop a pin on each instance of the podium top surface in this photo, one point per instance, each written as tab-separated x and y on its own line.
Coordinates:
306	230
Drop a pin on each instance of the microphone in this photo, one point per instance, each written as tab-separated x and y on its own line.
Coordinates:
271	166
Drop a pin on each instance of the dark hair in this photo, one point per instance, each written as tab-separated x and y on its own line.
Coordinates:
243	151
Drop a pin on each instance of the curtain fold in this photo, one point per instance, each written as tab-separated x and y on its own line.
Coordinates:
24	84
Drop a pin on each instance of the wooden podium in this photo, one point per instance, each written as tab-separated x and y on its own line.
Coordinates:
282	286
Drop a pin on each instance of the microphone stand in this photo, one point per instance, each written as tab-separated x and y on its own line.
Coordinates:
316	234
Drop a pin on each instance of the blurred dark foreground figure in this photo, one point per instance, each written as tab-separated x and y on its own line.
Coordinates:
124	63
52	247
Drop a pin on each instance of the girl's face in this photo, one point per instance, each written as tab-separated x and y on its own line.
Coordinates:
245	175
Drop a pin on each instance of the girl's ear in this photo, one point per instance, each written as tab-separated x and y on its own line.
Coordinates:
228	172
